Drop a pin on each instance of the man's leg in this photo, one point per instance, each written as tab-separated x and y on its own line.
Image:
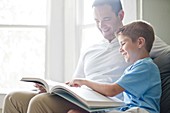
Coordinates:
17	102
48	103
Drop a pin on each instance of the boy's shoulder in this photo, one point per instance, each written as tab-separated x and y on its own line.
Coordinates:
146	63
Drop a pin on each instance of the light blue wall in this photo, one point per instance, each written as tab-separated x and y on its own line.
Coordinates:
157	12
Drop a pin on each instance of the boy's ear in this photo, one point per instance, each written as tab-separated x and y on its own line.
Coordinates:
141	42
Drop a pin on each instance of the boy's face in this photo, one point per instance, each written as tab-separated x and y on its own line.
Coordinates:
107	21
128	49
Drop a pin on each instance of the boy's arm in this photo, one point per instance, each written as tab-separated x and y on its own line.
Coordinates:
103	88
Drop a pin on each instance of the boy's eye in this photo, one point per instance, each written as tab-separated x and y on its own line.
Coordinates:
123	43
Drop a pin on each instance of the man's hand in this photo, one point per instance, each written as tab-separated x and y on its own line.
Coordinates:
40	88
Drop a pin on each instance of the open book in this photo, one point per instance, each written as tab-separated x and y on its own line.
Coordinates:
84	97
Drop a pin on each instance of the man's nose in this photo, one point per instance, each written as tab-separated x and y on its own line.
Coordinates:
101	24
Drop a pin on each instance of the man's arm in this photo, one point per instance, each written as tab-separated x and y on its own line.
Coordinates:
79	71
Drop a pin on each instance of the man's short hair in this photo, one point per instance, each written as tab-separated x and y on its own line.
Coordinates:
138	29
115	4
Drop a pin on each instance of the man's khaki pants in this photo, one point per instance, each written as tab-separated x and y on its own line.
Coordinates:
27	102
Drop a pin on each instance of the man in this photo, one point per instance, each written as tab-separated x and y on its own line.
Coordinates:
101	62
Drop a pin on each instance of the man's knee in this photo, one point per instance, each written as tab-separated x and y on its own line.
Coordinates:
14	97
18	97
14	100
45	103
38	98
43	100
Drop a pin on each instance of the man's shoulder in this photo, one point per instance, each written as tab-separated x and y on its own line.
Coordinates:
159	47
159	41
99	45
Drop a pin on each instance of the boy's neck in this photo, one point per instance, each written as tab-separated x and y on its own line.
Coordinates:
142	55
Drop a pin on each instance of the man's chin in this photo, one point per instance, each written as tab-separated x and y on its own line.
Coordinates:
110	38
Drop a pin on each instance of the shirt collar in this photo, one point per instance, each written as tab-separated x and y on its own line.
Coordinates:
113	41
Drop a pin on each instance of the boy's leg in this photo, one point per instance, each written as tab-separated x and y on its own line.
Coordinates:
17	102
113	111
131	110
137	110
48	103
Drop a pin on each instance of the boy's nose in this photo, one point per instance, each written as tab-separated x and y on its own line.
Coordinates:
120	50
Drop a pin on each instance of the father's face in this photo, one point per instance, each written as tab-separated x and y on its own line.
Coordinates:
107	21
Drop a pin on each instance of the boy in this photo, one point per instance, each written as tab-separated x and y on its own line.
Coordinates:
140	82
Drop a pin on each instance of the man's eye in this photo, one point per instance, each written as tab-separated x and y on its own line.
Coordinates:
97	21
107	19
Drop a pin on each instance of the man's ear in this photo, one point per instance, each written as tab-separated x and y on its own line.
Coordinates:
121	15
141	42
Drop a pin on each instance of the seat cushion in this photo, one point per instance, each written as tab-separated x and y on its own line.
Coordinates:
163	63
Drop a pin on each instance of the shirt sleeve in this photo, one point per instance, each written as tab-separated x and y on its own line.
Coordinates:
159	46
135	80
79	71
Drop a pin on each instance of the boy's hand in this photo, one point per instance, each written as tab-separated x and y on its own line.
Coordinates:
77	82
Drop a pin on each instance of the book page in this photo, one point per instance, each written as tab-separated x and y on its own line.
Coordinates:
87	96
47	84
64	94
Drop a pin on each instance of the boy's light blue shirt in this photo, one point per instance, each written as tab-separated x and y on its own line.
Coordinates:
142	85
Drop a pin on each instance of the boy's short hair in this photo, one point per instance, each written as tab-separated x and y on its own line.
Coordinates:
115	4
138	29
